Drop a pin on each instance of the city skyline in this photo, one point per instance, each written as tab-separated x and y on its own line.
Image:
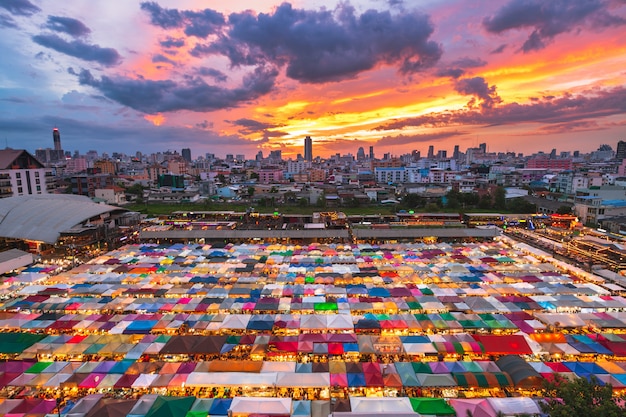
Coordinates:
150	76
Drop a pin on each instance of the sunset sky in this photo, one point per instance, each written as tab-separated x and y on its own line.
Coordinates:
220	77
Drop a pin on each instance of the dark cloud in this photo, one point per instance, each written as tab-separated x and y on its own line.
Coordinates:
170	42
204	23
216	74
7	21
251	127
410	139
68	25
547	19
196	23
565	109
483	95
467	62
104	56
457	67
193	94
205	124
450	72
322	46
570	127
19	7
499	49
160	58
164	18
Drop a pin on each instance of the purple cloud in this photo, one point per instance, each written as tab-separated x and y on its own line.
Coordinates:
547	19
324	46
170	42
160	58
193	94
565	109
164	18
456	69
410	139
19	7
79	49
68	25
484	95
216	74
196	23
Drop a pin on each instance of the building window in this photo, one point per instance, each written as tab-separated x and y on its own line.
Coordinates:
19	182
36	174
39	188
18	175
19	190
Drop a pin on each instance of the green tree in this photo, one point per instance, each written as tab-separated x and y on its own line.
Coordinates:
485	201
499	198
221	179
453	199
254	176
581	397
251	190
413	201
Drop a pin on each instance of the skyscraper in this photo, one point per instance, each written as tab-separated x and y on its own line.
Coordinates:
621	150
56	137
186	154
57	153
308	149
456	152
371	152
431	152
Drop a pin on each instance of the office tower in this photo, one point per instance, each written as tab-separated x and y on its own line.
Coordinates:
56	137
442	154
186	153
431	151
621	150
483	147
259	156
308	149
456	153
57	154
371	152
360	154
553	153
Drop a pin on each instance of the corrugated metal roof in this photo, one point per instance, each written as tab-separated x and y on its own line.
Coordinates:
43	217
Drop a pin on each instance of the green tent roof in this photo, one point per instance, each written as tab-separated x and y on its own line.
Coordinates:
432	406
18	342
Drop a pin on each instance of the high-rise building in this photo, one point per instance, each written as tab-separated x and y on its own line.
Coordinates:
57	153
371	152
360	154
56	137
308	149
483	147
186	154
621	150
456	154
431	152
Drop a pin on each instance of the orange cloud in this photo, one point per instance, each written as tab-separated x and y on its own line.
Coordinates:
155	119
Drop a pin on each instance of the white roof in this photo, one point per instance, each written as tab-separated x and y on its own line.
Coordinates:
43	217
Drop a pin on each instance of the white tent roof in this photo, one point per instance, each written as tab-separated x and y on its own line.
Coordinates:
378	406
261	405
302	380
511	406
231	379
